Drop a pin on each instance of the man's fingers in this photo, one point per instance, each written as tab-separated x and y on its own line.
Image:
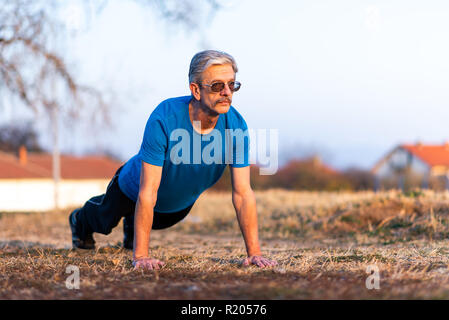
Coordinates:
150	264
159	264
156	264
264	262
143	266
269	263
147	265
261	262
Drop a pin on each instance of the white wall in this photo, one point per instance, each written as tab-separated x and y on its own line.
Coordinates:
38	194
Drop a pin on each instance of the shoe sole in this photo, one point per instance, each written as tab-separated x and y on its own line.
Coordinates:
76	243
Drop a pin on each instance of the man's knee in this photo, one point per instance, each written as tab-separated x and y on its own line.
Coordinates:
104	229
100	220
108	223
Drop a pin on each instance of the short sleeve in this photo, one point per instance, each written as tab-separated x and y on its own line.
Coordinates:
241	145
155	143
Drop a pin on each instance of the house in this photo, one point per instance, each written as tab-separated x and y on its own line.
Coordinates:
418	165
26	180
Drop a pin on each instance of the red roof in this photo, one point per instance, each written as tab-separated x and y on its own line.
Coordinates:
72	167
433	155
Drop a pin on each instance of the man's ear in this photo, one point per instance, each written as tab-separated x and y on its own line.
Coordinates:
195	89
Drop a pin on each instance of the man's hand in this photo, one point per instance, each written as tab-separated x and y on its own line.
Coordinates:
148	264
259	261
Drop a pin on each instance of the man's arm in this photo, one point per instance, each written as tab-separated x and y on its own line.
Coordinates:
150	178
244	202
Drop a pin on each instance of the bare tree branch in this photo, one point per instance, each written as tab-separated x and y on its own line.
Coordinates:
29	65
189	14
32	69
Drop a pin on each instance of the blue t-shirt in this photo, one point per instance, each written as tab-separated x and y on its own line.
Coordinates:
185	173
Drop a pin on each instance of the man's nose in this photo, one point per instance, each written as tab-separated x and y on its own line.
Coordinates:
226	90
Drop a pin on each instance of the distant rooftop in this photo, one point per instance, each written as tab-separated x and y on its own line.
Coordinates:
30	165
433	155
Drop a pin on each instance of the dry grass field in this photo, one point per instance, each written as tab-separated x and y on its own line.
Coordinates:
324	243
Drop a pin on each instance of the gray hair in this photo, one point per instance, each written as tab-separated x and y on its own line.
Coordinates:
204	59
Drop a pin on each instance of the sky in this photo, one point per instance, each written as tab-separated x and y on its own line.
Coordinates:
348	80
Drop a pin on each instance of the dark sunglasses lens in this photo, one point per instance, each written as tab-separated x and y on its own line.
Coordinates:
217	87
235	86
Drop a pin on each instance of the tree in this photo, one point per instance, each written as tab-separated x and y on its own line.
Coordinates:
12	136
360	179
309	174
32	69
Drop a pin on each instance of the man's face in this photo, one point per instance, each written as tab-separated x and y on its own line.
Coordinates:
220	102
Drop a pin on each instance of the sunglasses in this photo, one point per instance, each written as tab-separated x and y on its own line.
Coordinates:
219	86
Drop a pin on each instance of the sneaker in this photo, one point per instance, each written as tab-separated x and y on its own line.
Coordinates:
128	232
78	242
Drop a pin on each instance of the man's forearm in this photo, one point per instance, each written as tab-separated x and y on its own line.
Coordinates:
245	207
143	223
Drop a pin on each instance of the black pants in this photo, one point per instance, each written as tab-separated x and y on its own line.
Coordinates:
102	213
